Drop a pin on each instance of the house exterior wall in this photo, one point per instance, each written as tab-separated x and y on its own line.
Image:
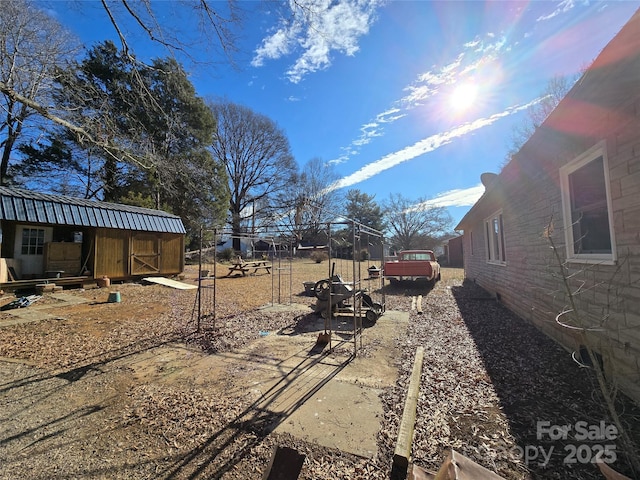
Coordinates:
539	276
531	284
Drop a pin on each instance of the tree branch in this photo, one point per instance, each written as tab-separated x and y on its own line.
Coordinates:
80	133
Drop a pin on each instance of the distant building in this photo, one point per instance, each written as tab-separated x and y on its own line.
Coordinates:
453	252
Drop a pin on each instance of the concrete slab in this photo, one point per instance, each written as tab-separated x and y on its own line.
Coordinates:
341	415
326	397
37	312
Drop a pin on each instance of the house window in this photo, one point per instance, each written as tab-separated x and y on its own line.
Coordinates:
587	207
32	241
494	233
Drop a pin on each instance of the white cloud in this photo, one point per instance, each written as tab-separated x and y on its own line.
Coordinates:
562	7
426	145
454	198
475	56
277	45
319	27
390	115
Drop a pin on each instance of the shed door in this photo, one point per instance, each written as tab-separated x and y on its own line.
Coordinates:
145	254
29	249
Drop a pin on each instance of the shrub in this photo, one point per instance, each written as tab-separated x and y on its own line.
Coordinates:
364	255
227	254
319	257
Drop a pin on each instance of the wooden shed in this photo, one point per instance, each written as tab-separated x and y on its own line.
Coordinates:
55	236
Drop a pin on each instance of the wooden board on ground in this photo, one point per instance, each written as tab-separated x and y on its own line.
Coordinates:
170	283
407	424
455	467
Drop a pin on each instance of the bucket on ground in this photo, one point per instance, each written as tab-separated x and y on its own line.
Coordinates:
114	297
309	288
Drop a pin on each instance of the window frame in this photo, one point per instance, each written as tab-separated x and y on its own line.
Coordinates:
593	154
490	238
32	242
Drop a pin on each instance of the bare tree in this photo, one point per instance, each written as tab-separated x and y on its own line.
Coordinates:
181	27
311	202
204	24
258	161
411	225
32	44
554	92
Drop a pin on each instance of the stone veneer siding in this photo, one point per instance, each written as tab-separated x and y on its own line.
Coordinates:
530	284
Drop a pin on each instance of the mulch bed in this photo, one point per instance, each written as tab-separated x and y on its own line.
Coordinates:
491	383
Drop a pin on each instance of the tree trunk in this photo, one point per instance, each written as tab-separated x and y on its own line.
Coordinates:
235	230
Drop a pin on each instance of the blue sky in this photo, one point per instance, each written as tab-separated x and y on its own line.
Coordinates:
410	97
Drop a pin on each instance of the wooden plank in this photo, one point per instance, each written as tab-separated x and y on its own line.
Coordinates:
458	467
31	283
419	305
608	472
167	282
407	424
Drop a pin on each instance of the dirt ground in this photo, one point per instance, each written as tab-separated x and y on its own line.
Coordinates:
134	390
82	374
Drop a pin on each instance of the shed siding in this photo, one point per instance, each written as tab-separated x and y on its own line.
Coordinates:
172	249
119	241
113	258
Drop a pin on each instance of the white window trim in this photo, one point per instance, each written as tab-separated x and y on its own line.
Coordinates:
598	150
489	239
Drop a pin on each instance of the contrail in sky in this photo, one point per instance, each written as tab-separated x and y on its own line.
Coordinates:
426	145
460	197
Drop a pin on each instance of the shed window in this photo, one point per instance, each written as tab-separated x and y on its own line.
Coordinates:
587	207
32	241
494	233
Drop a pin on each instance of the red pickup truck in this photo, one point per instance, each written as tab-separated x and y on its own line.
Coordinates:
413	265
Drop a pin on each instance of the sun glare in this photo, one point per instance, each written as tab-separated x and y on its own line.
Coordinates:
464	96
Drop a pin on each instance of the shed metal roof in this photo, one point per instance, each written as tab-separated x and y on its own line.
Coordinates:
32	207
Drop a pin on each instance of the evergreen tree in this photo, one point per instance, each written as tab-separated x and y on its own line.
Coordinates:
157	132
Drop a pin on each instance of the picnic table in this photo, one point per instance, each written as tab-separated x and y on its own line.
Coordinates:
243	267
